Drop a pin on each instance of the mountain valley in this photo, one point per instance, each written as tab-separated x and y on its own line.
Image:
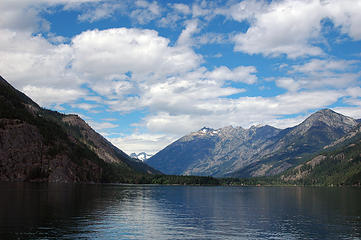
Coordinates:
40	145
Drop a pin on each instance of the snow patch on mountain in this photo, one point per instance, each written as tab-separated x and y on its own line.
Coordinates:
143	156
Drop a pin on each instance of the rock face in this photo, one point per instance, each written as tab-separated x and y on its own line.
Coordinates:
257	151
42	145
26	157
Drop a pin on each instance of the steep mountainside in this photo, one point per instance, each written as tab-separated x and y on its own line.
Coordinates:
181	155
103	148
293	145
42	145
256	151
338	164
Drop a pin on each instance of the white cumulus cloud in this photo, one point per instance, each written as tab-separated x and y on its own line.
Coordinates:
292	27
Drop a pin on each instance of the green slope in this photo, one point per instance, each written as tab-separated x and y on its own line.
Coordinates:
338	165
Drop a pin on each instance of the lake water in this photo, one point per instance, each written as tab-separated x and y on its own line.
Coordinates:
61	211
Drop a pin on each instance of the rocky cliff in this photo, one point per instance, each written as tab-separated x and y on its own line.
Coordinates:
25	156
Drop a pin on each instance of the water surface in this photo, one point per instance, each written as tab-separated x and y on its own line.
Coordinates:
64	211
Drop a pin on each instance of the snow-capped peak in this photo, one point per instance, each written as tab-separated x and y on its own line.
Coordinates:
141	156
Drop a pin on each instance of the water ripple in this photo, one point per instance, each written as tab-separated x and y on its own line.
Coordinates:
178	212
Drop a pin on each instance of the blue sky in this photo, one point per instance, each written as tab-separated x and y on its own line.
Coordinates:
144	73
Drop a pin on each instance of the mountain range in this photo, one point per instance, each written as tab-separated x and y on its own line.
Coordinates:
37	144
257	151
41	145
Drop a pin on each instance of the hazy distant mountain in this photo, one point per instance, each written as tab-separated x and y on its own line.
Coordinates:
143	156
42	145
257	151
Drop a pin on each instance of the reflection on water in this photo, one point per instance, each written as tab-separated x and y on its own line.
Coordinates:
63	211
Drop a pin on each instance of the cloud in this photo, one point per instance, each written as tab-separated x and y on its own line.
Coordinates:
293	103
125	105
203	9
238	74
164	122
121	50
286	122
243	111
191	92
185	38
176	14
213	38
115	87
346	15
218	55
124	64
354	92
353	101
46	96
145	11
131	70
245	10
288	83
182	8
84	106
101	10
24	15
54	39
321	73
100	126
353	112
35	66
20	16
179	13
170	20
143	142
274	32
324	65
292	27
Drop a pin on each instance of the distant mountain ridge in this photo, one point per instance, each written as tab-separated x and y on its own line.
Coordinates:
142	156
257	151
37	144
